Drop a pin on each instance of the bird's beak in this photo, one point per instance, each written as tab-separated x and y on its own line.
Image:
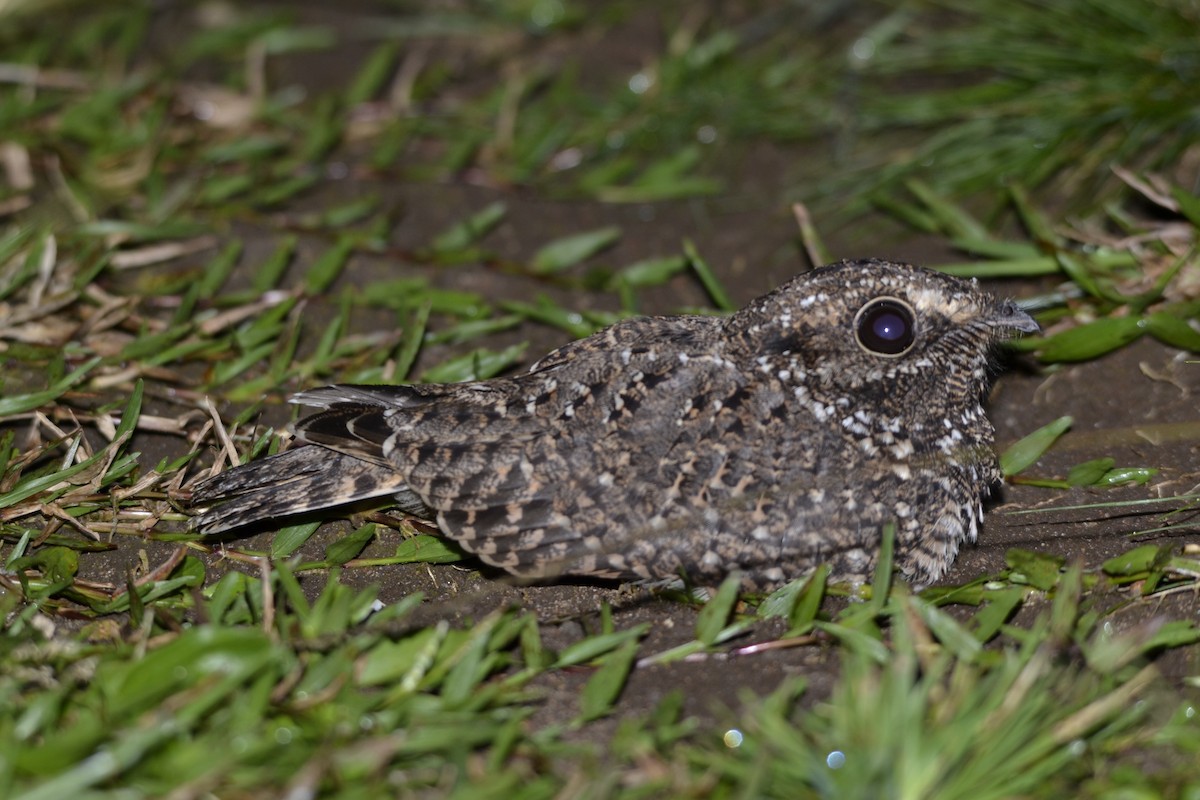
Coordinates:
1009	316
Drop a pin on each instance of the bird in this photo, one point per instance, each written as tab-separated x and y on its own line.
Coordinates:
662	449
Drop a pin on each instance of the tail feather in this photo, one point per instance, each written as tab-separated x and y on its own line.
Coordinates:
299	481
326	397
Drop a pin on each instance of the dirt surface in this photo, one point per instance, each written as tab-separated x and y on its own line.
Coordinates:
1132	405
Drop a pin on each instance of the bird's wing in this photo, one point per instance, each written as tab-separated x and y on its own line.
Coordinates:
548	475
538	472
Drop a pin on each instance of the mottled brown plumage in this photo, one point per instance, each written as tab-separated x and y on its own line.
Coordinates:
783	436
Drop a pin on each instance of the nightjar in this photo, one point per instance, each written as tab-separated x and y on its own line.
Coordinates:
766	442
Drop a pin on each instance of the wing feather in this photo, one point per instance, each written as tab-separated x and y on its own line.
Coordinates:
539	473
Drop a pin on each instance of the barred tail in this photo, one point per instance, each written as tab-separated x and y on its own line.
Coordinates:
299	481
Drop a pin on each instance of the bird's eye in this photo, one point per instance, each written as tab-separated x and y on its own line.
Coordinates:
886	326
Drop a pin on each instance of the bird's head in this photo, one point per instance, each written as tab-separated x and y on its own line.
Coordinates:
876	327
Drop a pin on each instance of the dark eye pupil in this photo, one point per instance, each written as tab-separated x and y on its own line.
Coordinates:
889	325
885	327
